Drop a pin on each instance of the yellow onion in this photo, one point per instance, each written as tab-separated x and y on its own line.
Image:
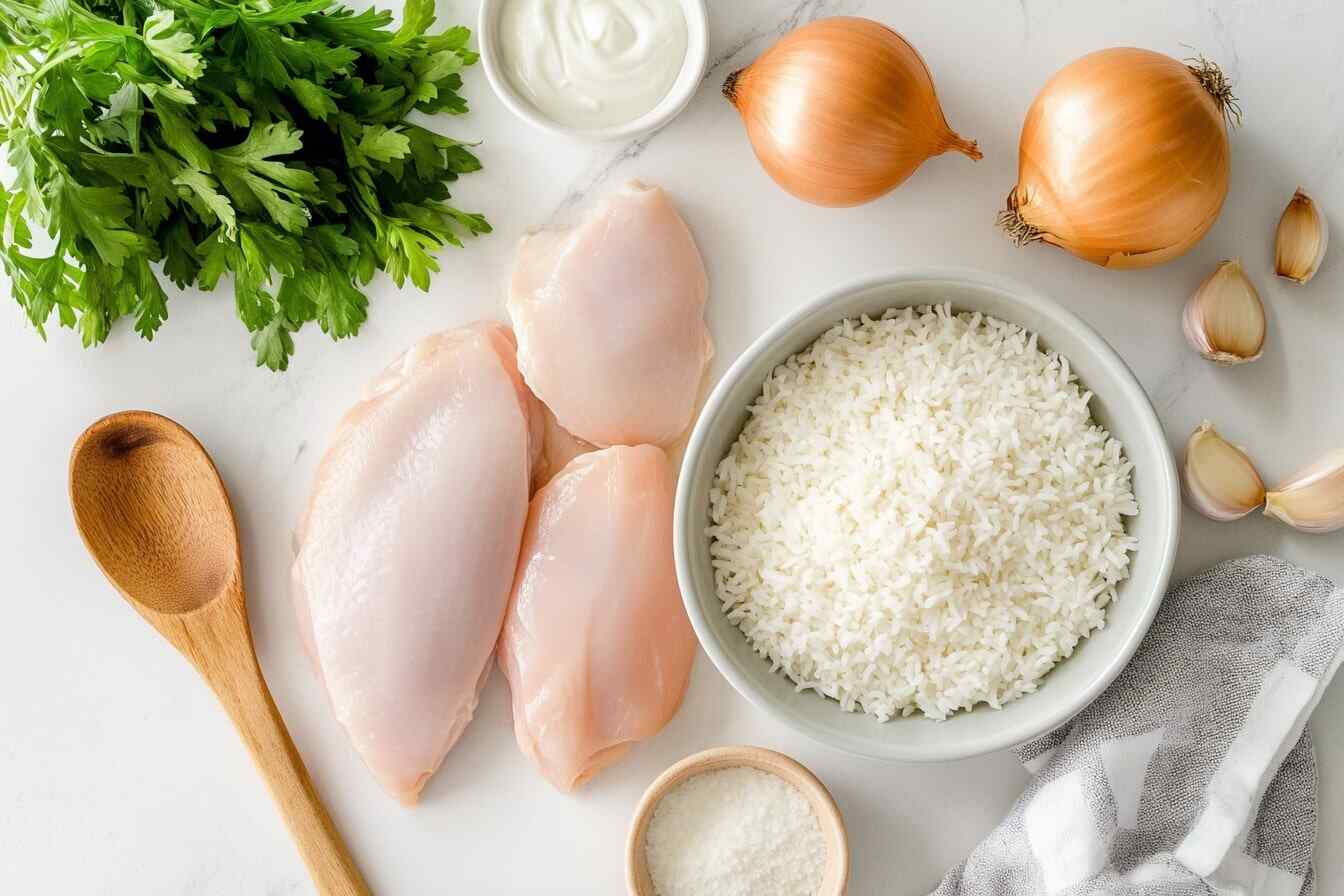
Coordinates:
841	111
1124	158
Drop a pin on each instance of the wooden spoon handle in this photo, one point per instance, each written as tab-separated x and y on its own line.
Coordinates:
228	663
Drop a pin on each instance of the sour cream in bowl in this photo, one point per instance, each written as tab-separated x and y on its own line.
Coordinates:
596	69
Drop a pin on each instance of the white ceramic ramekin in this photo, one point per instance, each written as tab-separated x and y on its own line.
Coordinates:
676	98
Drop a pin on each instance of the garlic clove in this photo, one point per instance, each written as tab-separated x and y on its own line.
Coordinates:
1225	320
1312	499
1301	240
1220	480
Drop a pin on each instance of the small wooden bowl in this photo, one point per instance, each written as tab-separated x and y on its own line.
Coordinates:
834	878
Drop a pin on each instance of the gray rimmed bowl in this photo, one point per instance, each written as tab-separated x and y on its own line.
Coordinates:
1120	405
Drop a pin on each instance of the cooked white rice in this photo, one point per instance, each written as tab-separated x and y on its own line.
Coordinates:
920	515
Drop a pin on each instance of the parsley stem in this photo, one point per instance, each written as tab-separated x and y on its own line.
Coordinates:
22	102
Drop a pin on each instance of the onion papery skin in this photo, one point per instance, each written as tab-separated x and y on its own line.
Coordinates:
1124	160
842	111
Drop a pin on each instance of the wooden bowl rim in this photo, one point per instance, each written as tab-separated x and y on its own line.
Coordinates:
835	877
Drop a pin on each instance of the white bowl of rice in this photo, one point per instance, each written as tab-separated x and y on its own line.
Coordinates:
926	517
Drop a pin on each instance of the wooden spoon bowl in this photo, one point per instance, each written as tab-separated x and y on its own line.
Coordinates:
835	876
154	514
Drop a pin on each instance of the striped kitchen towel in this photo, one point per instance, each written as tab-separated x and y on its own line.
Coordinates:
1194	772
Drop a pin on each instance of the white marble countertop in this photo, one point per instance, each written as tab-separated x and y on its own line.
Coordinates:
123	776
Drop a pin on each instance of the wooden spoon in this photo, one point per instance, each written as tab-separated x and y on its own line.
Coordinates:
154	514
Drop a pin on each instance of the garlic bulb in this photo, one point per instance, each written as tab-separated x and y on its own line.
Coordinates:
1312	499
1220	480
1225	320
1301	240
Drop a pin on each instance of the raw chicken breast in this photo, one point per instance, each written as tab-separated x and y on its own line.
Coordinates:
407	551
559	447
610	320
596	646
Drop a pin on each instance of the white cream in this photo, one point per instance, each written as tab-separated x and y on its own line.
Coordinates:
592	63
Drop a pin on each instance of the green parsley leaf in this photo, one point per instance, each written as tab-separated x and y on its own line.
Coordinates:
151	308
208	202
30	169
172	47
180	261
96	214
317	101
416	17
284	13
366	31
254	179
383	144
178	135
273	343
62	102
408	252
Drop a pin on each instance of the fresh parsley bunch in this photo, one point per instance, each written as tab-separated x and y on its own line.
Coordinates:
266	139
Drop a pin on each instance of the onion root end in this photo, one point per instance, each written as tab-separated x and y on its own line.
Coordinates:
1018	230
730	86
1212	79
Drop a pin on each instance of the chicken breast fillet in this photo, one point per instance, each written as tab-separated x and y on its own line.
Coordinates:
610	320
559	447
596	645
407	551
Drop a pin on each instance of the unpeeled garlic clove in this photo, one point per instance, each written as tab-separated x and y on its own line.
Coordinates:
1312	499
1220	480
1301	240
1224	320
